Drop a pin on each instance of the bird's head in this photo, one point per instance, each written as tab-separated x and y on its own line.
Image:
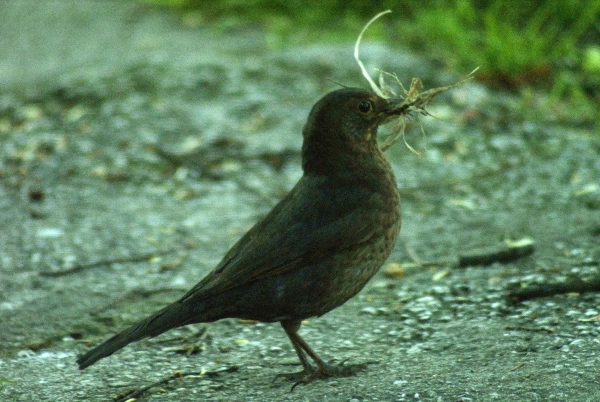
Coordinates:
343	125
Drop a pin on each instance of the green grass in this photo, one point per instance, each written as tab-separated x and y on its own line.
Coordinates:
3	382
504	38
548	44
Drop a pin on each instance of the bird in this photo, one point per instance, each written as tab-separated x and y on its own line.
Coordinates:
318	246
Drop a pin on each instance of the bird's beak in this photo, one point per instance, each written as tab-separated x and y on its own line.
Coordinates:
396	106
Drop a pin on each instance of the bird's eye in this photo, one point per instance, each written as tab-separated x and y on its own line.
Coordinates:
365	107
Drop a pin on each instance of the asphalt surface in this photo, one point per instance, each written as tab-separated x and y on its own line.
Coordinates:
134	152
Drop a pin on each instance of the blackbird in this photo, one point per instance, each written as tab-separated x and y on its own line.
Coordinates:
317	248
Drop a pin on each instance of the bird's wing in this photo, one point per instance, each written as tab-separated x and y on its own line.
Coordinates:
307	226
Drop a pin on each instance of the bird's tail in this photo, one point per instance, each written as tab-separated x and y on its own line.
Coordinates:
172	316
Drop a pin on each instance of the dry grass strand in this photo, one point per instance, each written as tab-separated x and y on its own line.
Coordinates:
415	99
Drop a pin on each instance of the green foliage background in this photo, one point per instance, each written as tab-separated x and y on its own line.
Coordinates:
551	44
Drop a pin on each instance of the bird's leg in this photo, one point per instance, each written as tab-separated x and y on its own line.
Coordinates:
309	373
307	367
291	328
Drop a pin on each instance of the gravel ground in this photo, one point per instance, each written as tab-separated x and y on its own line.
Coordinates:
134	152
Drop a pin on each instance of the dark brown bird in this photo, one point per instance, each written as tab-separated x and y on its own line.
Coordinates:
318	246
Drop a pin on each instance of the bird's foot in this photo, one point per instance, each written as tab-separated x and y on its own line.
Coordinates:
323	371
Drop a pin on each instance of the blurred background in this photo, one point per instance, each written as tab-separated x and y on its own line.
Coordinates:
552	45
547	46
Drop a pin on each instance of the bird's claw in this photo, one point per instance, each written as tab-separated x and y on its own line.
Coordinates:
324	371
